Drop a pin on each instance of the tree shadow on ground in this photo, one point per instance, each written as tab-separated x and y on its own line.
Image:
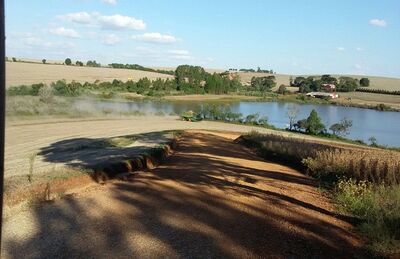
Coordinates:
214	202
90	154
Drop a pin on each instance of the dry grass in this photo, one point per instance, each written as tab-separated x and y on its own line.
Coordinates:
377	166
331	160
370	99
18	73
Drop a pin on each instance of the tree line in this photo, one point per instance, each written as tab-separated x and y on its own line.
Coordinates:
315	84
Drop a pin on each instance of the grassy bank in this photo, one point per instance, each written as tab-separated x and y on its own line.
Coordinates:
365	182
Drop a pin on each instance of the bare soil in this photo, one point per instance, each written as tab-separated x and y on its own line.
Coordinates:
212	198
50	138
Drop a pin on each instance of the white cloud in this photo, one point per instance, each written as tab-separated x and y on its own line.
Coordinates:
179	52
378	22
181	57
115	21
36	42
110	39
61	31
340	48
110	2
80	17
359	49
118	21
155	37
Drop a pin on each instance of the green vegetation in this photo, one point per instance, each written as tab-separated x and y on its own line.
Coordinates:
263	84
312	125
364	182
68	61
364	82
92	63
377	206
224	113
316	84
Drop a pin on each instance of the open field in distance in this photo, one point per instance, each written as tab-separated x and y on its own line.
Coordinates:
18	73
370	99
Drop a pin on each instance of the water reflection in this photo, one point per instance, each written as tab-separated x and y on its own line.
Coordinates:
384	126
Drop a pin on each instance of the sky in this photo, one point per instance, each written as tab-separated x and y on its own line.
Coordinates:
288	36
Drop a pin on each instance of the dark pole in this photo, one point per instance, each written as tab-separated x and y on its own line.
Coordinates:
2	107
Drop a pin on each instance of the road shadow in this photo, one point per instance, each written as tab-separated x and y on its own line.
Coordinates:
91	154
211	199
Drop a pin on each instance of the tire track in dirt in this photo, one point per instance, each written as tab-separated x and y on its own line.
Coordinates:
212	198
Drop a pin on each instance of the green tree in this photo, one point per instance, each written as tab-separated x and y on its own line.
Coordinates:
263	84
193	75
327	79
364	82
314	124
68	61
143	85
92	63
347	84
14	59
44	61
79	63
311	125
298	81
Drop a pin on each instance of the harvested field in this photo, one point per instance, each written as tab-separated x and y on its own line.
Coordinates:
370	99
18	73
211	199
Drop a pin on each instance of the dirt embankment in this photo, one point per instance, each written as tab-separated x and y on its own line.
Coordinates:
212	198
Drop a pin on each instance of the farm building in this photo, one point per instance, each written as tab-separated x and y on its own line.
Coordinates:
323	94
329	88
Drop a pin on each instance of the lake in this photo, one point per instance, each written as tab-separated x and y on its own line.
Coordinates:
384	126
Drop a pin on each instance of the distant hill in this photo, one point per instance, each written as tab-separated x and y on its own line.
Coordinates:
33	71
376	82
18	73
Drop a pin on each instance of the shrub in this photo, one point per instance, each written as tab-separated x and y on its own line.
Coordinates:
379	208
46	94
282	89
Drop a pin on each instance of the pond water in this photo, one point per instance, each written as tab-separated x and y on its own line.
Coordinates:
384	126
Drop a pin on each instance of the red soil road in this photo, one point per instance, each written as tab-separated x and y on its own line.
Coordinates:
212	198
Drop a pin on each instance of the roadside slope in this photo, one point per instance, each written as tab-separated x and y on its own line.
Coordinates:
212	198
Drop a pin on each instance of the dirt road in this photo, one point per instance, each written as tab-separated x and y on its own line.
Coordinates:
27	137
212	198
